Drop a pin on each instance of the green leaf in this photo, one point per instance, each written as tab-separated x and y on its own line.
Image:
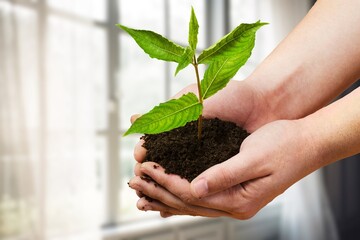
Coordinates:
155	45
169	115
193	30
186	59
189	53
238	42
218	74
226	57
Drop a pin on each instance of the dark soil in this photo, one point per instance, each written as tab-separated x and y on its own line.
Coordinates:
180	152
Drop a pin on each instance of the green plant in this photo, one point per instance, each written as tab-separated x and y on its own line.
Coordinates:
224	59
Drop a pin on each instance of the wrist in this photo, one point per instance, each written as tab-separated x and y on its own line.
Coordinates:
335	129
314	146
277	93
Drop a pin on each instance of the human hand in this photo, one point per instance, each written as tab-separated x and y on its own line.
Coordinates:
270	160
238	102
235	103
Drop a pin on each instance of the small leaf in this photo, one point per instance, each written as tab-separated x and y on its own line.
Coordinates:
186	59
155	45
218	74
189	53
193	30
167	116
238	42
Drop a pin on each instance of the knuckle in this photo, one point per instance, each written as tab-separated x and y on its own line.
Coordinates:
182	208
166	214
226	176
245	211
187	198
246	216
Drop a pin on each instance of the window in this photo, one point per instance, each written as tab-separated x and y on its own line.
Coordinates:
75	77
71	80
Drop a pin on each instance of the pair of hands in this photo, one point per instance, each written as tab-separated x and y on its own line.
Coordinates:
276	155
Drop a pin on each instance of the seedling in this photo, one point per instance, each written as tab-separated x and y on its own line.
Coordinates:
223	60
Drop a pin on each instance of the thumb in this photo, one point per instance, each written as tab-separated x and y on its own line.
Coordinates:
222	176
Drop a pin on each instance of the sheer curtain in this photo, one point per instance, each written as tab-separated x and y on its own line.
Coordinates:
49	187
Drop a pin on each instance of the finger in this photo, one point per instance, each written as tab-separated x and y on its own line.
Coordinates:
240	201
145	204
139	151
134	117
164	201
155	191
181	189
139	194
165	214
238	169
178	186
137	171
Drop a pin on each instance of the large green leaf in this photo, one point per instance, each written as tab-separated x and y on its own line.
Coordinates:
193	30
156	45
218	74
238	42
167	116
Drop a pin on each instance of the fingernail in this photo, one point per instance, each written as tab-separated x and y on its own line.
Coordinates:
201	188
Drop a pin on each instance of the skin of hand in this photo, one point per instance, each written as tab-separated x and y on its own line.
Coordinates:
241	186
250	180
317	61
173	195
236	103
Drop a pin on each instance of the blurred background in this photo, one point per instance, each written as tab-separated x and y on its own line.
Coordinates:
69	82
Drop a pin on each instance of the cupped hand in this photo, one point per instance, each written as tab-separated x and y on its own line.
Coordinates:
238	102
270	160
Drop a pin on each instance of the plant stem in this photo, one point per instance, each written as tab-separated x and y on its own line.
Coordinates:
200	96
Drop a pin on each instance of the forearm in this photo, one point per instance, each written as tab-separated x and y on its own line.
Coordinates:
335	129
315	63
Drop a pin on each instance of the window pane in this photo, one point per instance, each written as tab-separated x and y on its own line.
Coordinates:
243	11
142	81
75	57
143	14
92	9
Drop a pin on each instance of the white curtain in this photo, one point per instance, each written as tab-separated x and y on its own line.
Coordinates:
48	171
306	213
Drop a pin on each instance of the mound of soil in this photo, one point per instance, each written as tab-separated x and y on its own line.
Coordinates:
180	152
